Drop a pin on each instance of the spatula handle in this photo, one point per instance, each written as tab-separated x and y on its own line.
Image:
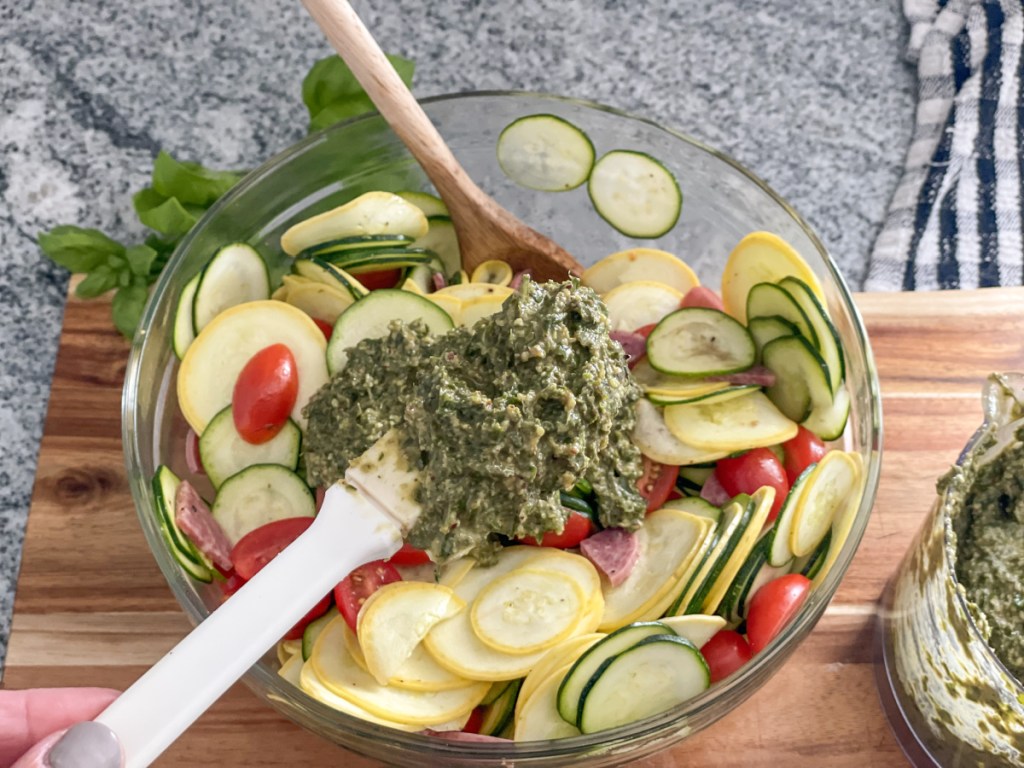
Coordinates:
161	704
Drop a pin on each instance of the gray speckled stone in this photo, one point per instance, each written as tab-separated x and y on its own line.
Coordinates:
814	97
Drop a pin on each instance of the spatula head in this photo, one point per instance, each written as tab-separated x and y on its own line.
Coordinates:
382	474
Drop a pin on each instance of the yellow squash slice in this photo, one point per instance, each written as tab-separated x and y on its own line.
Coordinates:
640	302
640	264
827	493
744	422
374	213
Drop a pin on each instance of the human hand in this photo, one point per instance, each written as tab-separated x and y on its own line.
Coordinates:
32	722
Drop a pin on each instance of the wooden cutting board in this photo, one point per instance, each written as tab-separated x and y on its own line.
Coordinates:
92	608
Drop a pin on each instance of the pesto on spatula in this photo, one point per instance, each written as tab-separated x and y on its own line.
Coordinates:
499	418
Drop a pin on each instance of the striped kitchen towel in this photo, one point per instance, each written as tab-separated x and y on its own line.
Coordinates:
955	219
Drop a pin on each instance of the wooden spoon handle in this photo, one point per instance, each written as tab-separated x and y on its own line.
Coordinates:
354	43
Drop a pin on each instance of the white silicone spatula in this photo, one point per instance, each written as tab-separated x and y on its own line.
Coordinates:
355	526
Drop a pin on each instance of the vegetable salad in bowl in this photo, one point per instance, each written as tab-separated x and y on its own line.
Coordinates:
638	490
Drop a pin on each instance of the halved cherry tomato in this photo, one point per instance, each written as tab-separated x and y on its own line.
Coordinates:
802	451
726	652
325	328
261	545
702	296
315	612
352	591
475	722
265	393
384	278
577	528
409	555
657	483
645	330
752	470
773	606
231	584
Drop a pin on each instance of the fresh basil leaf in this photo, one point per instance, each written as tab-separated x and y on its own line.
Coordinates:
191	183
164	214
96	283
127	306
78	249
330	85
140	259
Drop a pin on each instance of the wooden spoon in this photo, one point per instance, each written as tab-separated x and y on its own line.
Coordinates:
485	230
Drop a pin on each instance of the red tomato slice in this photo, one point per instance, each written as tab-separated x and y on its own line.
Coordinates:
645	330
657	483
752	470
475	722
802	451
726	652
260	546
265	393
325	328
773	606
409	555
384	278
315	612
352	591
577	528
701	296
231	584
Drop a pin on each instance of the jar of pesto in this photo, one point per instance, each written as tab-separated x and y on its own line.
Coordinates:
952	699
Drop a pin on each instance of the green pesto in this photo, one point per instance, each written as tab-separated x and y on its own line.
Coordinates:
500	418
990	551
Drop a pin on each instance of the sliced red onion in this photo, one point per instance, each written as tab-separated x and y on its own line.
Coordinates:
759	376
463	736
633	344
517	279
439	281
193	459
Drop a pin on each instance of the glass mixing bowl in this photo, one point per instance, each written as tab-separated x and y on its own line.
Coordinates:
722	203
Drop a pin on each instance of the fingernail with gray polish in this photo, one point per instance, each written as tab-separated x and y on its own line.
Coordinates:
86	745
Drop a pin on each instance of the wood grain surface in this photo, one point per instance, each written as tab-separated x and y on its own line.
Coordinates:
92	608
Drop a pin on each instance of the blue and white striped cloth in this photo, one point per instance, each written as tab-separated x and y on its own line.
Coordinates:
955	219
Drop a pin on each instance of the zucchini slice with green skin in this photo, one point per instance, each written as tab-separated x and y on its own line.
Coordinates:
355	243
735	518
696	506
546	153
579	676
374	259
825	494
656	674
700	342
635	193
259	495
772	300
431	205
312	632
498	714
727	393
778	548
801	377
810	565
235	275
165	488
225	453
766	329
442	240
370	317
829	345
324	272
184	332
828	421
373	213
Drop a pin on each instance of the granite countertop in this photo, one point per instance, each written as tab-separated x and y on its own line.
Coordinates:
814	97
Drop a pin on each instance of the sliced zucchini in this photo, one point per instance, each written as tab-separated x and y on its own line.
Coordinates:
829	345
312	632
654	439
760	505
761	257
319	300
648	264
655	675
697	475
500	712
374	213
766	329
717	396
696	627
184	331
843	521
696	506
771	300
259	495
441	239
545	152
370	317
225	453
700	342
493	271
431	205
811	565
664	385
356	262
801	377
755	573
334	248
635	193
580	673
732	425
237	274
828	421
779	551
321	271
826	492
165	487
638	303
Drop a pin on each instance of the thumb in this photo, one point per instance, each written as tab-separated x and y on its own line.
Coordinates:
35	757
84	745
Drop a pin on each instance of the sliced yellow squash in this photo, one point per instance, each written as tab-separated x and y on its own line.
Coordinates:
468	291
652	436
493	271
206	379
373	213
538	719
826	493
761	500
665	385
698	628
479	308
843	520
638	303
291	670
555	661
762	257
649	264
319	300
744	422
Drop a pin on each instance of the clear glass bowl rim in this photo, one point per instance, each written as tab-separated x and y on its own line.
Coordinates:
267	684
